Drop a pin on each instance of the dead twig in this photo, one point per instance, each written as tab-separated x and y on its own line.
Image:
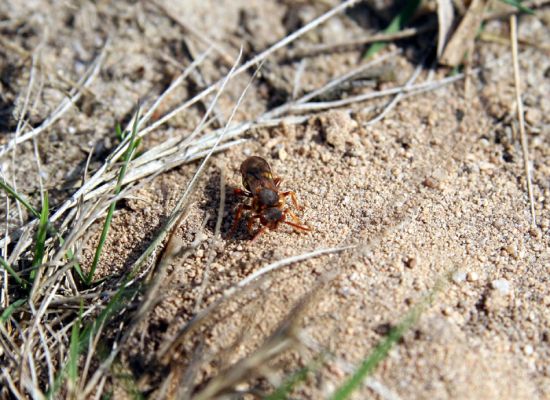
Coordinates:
356	43
521	121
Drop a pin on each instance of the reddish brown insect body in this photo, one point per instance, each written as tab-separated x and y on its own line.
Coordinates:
268	203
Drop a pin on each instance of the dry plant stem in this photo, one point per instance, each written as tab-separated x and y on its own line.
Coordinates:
414	89
255	60
334	83
352	45
519	105
211	253
298	78
285	337
63	107
532	4
397	98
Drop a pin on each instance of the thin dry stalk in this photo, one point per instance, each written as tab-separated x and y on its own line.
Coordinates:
397	98
413	89
351	45
519	105
211	253
332	84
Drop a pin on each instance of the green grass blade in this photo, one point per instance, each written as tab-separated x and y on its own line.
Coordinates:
11	191
12	272
41	236
381	351
519	6
6	314
395	25
106	226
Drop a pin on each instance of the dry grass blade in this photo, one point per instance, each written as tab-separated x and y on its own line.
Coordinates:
445	14
356	43
397	98
462	40
521	121
407	90
213	242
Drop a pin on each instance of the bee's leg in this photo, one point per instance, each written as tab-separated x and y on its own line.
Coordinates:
297	223
243	193
277	181
238	215
293	198
257	234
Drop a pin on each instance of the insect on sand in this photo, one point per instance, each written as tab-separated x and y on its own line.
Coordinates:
268	203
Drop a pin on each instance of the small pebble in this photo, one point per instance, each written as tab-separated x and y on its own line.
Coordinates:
486	166
410	262
528	350
472	276
512	251
431	183
533	116
459	276
283	155
535	232
502	285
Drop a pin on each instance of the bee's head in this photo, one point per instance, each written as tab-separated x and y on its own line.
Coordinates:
271	216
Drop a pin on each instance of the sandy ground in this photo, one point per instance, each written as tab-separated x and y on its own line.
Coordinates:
433	193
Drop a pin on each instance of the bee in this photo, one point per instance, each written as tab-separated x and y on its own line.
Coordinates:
268	203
